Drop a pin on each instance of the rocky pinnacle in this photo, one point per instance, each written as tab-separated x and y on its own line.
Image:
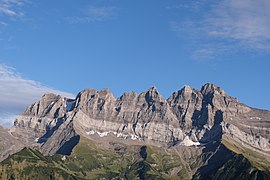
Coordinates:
188	117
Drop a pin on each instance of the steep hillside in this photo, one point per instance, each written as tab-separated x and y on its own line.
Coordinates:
192	134
115	160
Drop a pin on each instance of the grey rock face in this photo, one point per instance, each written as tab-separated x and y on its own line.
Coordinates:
146	116
61	137
8	144
189	116
42	114
187	105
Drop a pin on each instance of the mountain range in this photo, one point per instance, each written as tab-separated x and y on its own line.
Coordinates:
194	134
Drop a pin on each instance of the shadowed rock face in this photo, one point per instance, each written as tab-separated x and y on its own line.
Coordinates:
201	115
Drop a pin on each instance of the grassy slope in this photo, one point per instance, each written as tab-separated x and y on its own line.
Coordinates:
88	161
244	164
238	162
239	168
257	160
31	164
95	162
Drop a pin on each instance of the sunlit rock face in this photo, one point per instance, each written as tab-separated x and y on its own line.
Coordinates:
189	117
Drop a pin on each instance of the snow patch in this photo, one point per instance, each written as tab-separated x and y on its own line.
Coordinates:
102	134
90	132
63	158
106	133
134	137
122	135
188	142
258	118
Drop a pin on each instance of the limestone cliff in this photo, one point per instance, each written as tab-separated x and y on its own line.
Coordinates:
188	117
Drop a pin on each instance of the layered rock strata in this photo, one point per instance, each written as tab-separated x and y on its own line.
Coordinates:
188	117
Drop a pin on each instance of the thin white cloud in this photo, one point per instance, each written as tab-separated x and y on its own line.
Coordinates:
17	93
227	25
11	8
246	21
92	14
189	5
2	23
7	119
204	53
7	11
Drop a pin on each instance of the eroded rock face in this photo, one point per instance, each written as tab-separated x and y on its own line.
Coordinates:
43	114
201	115
146	116
8	144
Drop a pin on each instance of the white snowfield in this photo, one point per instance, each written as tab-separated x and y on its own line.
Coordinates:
188	142
185	142
106	133
90	132
258	118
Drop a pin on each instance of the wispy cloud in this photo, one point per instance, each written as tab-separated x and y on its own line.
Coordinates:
7	119
246	21
92	14
190	5
11	8
239	24
2	23
18	92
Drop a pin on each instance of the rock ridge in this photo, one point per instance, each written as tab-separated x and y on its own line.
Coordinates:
196	116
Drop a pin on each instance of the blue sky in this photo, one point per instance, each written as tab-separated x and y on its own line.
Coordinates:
66	46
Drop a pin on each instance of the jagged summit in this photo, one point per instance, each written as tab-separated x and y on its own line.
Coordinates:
128	95
196	131
91	92
88	91
186	88
49	95
209	88
153	89
198	116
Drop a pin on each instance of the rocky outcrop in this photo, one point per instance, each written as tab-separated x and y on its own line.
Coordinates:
189	117
8	144
146	116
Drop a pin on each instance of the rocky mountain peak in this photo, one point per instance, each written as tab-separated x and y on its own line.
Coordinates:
187	88
209	88
43	107
202	115
184	95
48	96
153	88
106	94
128	96
152	91
152	95
87	93
185	92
